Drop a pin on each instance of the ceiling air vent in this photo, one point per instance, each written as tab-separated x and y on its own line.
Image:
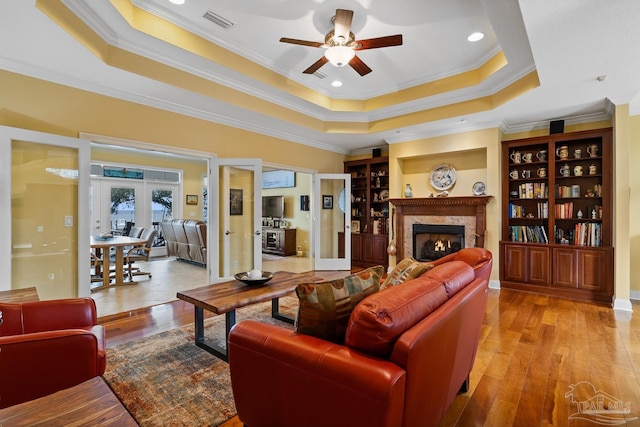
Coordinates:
320	75
218	20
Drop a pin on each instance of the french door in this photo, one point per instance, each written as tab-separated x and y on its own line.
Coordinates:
118	204
332	216
44	202
238	210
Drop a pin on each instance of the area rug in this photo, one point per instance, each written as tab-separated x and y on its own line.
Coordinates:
165	380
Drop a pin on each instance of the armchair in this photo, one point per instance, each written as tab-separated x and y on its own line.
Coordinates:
47	346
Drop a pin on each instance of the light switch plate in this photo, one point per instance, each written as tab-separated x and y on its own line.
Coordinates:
68	221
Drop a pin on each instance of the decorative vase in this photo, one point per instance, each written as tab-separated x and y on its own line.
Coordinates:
408	192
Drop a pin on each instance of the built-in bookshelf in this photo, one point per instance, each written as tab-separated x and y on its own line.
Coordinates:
369	211
556	210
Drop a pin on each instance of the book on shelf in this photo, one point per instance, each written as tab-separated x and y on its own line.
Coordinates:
587	234
533	190
528	234
519	211
564	210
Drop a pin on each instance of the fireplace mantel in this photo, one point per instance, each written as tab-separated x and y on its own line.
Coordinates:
440	206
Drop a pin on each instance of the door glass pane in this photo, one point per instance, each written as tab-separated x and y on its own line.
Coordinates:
44	202
123	209
161	210
237	224
333	215
331	218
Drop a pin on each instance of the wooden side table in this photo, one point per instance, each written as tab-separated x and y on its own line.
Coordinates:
19	295
90	403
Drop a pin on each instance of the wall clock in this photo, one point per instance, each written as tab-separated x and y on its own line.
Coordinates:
443	177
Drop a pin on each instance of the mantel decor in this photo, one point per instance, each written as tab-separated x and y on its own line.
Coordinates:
441	206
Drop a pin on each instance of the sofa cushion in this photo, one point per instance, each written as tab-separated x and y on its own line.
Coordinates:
407	269
378	321
325	307
454	275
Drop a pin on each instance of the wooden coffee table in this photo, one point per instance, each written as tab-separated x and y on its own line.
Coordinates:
226	297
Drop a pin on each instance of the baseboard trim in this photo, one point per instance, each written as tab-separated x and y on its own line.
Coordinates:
494	284
622	304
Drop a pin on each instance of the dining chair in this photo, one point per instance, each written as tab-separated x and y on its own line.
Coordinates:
97	267
140	253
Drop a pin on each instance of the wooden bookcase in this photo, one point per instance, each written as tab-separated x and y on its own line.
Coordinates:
556	235
370	210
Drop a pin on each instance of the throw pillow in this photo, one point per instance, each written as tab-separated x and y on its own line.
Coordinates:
407	269
324	308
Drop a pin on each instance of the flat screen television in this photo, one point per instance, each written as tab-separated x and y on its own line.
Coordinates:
273	206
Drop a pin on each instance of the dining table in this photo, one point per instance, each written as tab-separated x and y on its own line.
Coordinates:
103	245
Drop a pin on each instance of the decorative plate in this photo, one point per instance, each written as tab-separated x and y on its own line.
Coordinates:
443	177
479	188
384	195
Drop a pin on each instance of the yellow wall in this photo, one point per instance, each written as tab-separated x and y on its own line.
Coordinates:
298	219
475	156
634	205
63	110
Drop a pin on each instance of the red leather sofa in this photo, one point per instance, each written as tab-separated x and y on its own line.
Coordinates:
407	353
47	346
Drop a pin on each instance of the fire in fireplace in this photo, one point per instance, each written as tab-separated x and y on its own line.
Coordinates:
433	241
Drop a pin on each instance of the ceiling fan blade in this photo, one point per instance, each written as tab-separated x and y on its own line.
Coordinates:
316	65
357	64
301	42
342	23
378	42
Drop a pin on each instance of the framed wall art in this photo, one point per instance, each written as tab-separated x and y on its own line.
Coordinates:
235	205
327	202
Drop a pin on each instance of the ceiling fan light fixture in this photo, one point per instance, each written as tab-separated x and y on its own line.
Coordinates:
339	56
336	83
177	1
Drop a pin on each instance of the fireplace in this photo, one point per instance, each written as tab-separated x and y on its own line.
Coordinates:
433	241
466	211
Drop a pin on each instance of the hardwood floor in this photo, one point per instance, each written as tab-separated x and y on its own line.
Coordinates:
533	348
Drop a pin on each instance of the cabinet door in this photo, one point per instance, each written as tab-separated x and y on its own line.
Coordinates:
592	269
538	265
380	249
514	263
356	247
565	271
368	248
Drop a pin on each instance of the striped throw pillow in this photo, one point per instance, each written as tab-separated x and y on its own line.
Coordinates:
325	307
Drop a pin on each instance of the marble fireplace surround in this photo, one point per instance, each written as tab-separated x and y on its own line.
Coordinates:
468	211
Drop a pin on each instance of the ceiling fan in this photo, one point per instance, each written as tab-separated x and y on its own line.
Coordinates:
341	44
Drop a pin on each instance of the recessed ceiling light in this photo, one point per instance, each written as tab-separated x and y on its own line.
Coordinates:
336	83
475	37
177	1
